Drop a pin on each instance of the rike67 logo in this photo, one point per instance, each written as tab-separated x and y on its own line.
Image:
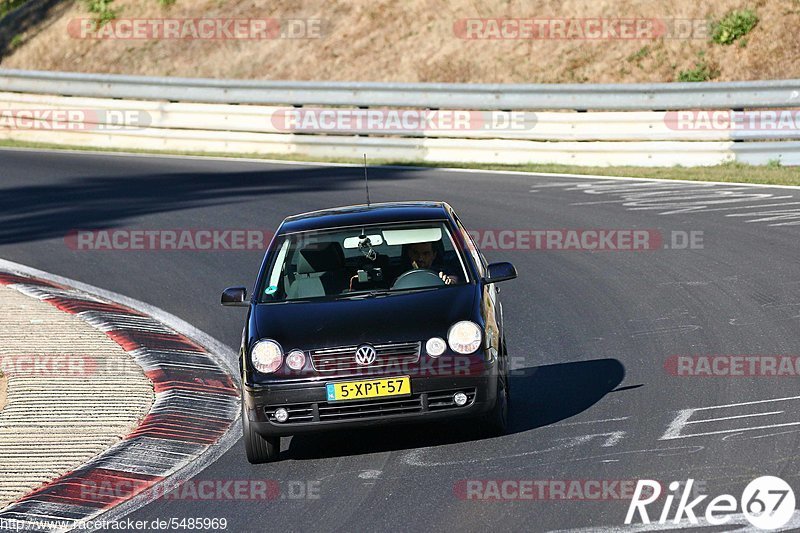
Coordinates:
767	503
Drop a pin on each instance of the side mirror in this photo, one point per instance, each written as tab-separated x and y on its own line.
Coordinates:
234	296
500	272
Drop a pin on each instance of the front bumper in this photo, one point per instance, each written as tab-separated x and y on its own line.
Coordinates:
309	411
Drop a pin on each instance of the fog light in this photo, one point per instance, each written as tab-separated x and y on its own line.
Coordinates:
460	398
282	415
435	346
296	359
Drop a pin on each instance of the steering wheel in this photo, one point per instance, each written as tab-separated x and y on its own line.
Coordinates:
418	278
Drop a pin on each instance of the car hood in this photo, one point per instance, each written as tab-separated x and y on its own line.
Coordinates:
391	318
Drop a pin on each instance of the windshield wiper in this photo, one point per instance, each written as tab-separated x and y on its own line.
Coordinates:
381	292
365	294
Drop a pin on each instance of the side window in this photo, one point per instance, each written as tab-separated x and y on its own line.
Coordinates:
477	257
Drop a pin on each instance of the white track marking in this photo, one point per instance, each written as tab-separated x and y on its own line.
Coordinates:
737	430
590	422
370	474
747	403
412	458
726	437
775	434
772	216
733	417
760	206
682	419
610	439
679	198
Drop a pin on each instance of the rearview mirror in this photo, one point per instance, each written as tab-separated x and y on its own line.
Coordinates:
353	242
500	272
234	296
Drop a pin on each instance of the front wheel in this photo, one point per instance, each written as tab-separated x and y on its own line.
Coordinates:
259	449
495	423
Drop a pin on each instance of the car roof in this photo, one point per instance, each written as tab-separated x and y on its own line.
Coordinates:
355	215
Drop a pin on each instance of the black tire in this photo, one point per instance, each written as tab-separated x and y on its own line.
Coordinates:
259	449
509	389
495	423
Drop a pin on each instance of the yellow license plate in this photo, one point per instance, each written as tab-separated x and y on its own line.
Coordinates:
368	388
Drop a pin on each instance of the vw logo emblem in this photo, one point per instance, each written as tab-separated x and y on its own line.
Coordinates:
365	355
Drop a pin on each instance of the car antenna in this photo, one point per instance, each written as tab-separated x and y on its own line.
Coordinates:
366	180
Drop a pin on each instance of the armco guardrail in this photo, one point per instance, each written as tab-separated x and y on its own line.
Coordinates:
220	116
624	97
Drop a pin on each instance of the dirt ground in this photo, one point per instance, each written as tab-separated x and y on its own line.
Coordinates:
3	390
427	41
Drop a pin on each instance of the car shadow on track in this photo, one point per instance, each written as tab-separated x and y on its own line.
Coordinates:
541	396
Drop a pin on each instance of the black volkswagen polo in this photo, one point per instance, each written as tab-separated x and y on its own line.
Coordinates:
367	315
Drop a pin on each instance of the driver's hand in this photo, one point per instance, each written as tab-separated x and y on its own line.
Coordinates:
448	280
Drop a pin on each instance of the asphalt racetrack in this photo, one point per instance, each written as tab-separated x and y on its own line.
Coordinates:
594	335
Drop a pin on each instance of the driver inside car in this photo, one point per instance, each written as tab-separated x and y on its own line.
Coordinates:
424	255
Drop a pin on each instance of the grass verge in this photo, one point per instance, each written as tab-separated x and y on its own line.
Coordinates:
728	172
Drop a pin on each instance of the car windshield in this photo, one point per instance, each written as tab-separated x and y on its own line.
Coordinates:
363	261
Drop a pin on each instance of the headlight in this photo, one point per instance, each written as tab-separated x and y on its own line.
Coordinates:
464	337
267	356
435	346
